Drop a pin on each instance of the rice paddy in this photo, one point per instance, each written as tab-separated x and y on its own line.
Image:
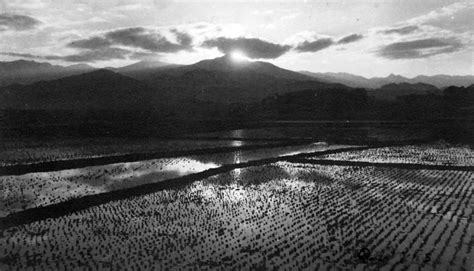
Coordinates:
283	215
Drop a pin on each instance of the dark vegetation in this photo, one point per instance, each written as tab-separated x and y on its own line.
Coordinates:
356	104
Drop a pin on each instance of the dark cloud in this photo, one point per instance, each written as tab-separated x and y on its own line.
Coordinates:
84	56
140	37
253	48
350	38
106	46
314	46
18	55
17	22
140	42
419	48
95	55
402	30
91	43
183	38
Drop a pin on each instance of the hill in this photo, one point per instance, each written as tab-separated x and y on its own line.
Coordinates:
394	91
27	72
97	90
226	81
439	81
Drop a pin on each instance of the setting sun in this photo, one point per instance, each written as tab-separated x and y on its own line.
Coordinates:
238	56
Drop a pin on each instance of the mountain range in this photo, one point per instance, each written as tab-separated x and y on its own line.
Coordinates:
356	81
27	72
145	86
152	85
92	91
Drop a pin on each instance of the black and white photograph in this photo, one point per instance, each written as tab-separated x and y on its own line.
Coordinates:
237	135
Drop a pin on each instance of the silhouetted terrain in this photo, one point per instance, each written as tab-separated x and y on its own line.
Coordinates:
440	81
393	91
97	90
27	72
220	89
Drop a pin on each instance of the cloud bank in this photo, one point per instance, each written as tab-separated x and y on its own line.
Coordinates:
253	48
421	48
350	38
128	42
404	30
314	46
17	22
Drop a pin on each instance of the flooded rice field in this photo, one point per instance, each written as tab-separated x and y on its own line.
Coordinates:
259	207
44	188
438	153
286	215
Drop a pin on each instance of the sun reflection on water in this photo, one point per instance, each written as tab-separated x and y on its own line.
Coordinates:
181	166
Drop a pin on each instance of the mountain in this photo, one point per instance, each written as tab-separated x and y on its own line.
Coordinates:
347	79
143	65
27	72
216	81
220	89
143	70
227	64
443	81
225	81
393	91
439	81
97	90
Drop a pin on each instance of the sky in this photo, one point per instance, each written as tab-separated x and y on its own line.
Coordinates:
370	38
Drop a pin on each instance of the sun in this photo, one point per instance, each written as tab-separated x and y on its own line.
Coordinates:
238	56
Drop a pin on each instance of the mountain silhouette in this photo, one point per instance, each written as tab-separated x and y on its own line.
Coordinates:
97	90
27	72
211	87
226	81
439	81
393	91
143	70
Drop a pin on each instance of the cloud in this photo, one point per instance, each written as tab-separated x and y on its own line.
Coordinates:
102	54
19	55
252	47
404	30
17	22
314	46
125	43
456	17
94	55
350	38
184	39
139	38
421	48
91	43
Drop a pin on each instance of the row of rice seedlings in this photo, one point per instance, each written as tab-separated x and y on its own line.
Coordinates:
41	189
52	152
282	215
433	154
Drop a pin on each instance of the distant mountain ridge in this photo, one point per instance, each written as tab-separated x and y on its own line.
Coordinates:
27	72
219	80
97	90
225	81
148	85
439	81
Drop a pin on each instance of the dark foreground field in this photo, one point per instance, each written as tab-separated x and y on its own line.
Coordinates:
249	198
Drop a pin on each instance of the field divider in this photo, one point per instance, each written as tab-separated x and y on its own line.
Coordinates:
57	165
331	162
81	203
22	169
